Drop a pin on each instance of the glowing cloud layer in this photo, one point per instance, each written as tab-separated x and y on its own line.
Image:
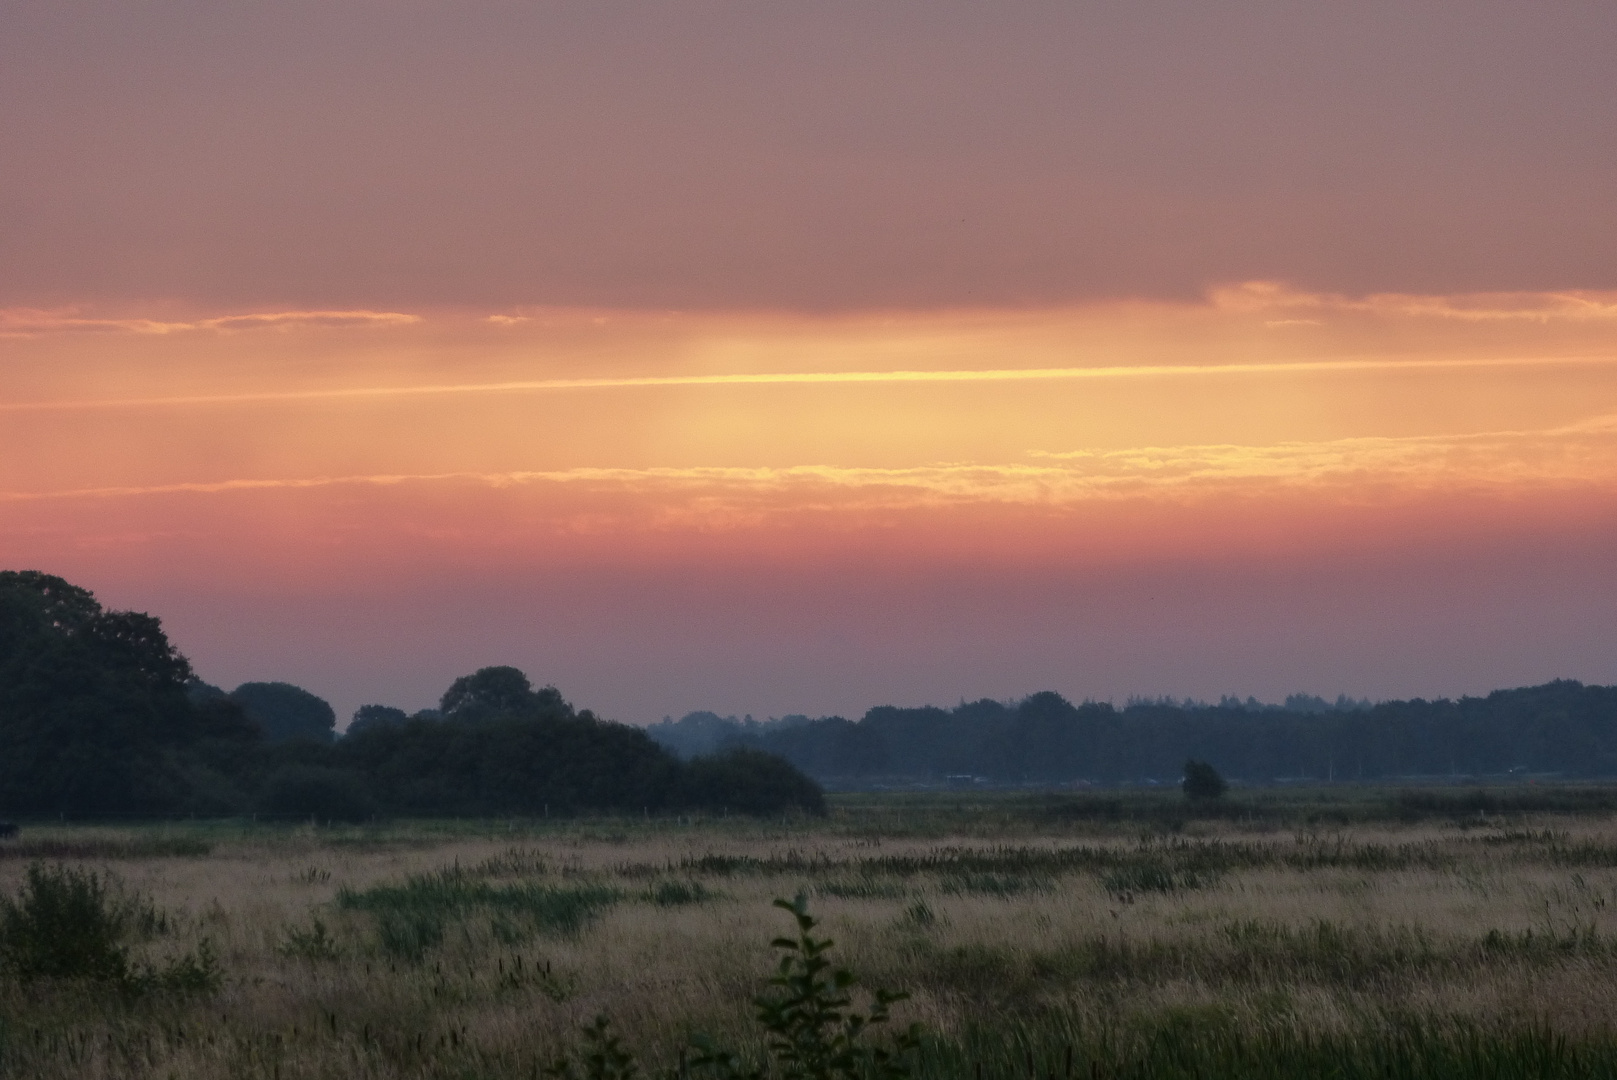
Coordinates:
385	451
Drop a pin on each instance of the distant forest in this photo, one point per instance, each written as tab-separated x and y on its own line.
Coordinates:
1560	728
100	716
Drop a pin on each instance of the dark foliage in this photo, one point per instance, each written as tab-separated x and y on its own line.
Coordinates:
552	764
1202	781
68	923
1563	728
100	716
750	782
371	716
64	924
283	711
94	715
502	747
498	691
314	791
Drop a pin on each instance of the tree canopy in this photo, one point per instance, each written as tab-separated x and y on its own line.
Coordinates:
92	702
283	711
101	715
1562	727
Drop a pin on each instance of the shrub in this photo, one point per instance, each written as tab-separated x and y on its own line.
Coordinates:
64	924
1202	781
813	1032
72	924
751	782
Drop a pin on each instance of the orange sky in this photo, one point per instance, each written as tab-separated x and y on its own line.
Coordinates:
288	454
769	360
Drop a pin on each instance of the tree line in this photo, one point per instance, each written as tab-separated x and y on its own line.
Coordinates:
1562	727
100	715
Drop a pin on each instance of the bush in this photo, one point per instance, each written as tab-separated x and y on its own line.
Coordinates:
1202	781
313	791
71	924
751	782
64	924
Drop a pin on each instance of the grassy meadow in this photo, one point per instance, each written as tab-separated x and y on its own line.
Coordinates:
1306	932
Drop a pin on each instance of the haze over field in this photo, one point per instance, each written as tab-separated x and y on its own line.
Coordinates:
770	360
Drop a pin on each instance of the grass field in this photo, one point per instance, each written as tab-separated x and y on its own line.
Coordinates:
1312	932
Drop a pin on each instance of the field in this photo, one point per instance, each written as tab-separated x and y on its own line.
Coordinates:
1319	932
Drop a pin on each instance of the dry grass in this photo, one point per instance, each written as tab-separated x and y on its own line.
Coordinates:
1000	922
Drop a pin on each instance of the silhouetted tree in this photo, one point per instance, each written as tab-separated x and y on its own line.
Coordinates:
370	716
283	711
498	691
92	703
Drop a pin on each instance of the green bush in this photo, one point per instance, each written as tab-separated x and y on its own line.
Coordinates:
72	924
65	924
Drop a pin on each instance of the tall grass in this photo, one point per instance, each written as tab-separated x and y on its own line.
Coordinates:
1451	944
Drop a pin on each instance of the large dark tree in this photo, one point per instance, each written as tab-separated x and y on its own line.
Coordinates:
92	703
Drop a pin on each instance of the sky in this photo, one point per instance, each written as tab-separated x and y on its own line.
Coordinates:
773	359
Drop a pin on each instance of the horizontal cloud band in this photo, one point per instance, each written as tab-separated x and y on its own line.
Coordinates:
1143	371
1581	454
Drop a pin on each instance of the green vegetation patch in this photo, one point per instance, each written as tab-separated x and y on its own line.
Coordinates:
553	908
861	888
675	893
412	917
67	924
